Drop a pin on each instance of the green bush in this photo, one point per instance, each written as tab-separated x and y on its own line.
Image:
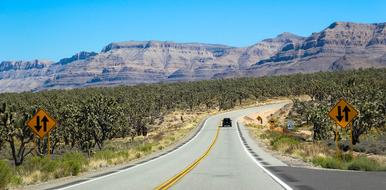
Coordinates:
364	164
172	138
270	135
284	140
346	157
5	174
104	155
348	162
328	162
49	166
73	163
42	164
33	163
16	180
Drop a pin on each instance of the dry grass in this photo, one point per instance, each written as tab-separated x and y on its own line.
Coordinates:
308	150
317	153
33	177
289	145
99	163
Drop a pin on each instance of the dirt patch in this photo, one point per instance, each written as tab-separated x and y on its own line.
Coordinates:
256	127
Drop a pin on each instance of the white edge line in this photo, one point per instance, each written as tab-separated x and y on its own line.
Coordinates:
146	162
278	180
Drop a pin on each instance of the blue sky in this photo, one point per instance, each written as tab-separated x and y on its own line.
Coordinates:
53	29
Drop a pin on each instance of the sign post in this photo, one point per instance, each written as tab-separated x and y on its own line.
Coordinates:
41	124
48	146
343	114
351	143
337	141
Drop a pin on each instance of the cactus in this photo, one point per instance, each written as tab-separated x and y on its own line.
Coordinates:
15	132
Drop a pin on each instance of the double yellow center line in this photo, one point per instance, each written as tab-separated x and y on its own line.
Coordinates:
180	175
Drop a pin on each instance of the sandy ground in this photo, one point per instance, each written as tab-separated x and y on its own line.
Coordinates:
252	118
266	116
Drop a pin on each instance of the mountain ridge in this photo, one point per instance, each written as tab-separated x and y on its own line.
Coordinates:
340	46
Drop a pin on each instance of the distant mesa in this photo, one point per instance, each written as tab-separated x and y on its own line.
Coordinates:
79	56
340	46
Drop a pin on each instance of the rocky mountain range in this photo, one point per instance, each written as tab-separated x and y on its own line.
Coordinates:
341	46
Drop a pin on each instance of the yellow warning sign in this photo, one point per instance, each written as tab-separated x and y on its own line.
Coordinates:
343	113
41	123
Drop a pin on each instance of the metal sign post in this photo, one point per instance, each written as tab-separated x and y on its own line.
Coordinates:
337	141
351	140
48	146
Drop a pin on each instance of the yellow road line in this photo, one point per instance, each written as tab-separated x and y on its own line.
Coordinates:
178	176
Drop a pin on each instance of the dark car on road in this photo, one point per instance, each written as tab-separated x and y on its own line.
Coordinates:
227	122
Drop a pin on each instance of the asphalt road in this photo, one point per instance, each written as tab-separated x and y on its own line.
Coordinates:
234	162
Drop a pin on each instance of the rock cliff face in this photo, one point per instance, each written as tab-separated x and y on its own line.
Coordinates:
340	46
16	76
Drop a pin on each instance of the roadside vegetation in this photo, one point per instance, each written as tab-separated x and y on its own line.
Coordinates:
313	138
38	168
317	153
104	126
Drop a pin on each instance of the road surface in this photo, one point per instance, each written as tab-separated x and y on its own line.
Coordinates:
233	162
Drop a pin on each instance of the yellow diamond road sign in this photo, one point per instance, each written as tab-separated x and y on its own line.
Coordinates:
41	123
343	113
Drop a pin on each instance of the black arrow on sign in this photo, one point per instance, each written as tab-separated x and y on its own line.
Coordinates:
38	126
346	110
339	116
45	120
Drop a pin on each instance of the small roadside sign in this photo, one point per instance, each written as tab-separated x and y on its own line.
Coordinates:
259	119
41	123
343	113
290	125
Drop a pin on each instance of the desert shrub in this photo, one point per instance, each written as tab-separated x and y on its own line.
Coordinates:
284	143
172	138
49	166
179	125
270	135
346	157
38	163
375	146
307	151
109	155
73	163
284	140
359	148
145	147
365	164
33	163
16	180
328	162
5	174
104	155
159	136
